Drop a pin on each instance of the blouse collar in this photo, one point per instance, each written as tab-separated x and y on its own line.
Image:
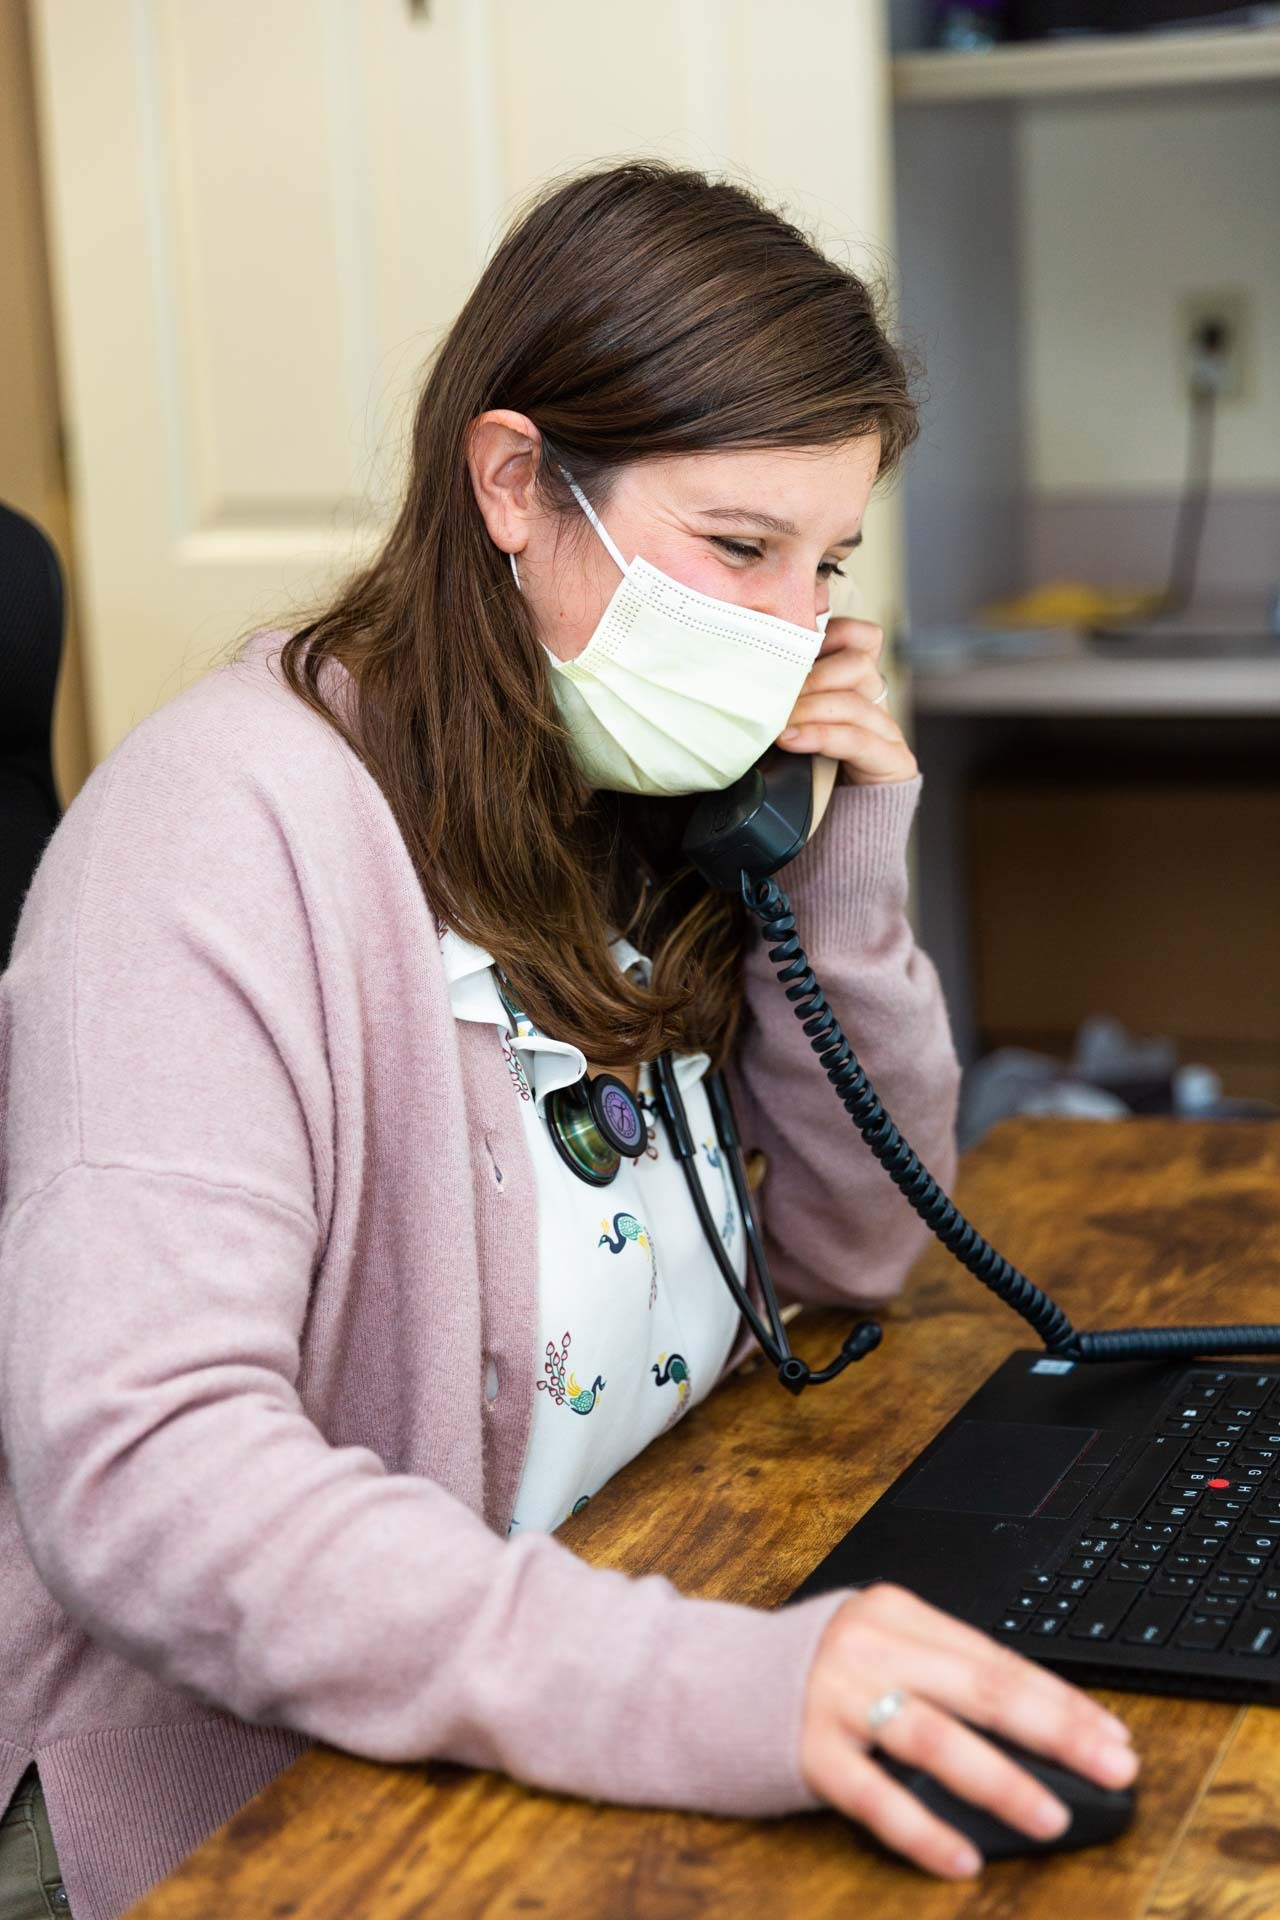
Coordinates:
548	1063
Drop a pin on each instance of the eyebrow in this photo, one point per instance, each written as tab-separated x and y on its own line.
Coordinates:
742	516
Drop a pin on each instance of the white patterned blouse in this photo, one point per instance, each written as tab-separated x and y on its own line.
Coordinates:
635	1320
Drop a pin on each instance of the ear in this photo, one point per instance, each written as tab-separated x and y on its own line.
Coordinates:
503	451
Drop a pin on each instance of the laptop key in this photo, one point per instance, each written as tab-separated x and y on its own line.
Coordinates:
1098	1616
1038	1583
1148	1530
1254	1633
1237	1583
1153	1620
1223	1605
1139	1570
1086	1565
1268	1599
1243	1562
1183	1583
1201	1633
1250	1393
1043	1624
1187	1563
1010	1623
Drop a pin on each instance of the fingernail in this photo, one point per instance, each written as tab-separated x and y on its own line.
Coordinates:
1118	1763
967	1861
1051	1818
1117	1727
789	733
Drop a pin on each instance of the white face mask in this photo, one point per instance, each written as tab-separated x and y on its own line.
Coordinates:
677	692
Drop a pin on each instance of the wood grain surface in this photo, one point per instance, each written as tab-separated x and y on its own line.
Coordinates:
1142	1221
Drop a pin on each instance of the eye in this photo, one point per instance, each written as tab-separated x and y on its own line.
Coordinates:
827	569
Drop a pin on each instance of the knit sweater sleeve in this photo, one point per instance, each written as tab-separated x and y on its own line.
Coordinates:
836	1228
165	1133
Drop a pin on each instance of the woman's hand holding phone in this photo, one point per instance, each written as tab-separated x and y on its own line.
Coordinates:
836	712
884	1637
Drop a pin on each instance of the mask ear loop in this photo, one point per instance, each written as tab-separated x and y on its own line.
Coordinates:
595	520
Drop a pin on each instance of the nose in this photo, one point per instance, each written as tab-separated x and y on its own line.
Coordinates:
798	601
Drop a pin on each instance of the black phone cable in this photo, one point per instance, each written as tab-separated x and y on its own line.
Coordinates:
766	900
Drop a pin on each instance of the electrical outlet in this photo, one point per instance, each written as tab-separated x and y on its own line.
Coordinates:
1215	331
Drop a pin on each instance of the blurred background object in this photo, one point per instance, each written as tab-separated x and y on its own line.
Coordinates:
1088	219
31	625
33	475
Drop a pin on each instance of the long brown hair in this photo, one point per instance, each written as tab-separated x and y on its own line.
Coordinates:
633	311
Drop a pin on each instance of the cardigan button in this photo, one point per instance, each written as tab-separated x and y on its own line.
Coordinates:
491	1381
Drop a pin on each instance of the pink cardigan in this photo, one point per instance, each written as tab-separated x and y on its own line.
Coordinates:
265	1213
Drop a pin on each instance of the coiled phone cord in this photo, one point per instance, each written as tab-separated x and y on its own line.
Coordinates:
771	907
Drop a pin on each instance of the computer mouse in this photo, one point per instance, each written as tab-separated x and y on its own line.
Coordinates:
1097	1813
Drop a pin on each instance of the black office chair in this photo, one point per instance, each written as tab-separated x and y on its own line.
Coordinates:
32	614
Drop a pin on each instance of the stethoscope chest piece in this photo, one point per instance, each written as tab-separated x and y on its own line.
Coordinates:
594	1124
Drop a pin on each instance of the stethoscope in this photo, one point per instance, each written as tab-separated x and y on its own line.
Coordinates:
597	1122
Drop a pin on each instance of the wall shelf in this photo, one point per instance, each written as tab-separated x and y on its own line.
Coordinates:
1108	64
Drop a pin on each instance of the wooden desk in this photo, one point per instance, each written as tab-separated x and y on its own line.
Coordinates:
1135	1222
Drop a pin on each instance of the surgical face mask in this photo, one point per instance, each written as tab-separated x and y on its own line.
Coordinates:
676	692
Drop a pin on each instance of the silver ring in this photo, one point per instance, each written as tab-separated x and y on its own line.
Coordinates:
884	1709
883	694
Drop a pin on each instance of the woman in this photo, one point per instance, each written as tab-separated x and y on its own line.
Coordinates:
313	1331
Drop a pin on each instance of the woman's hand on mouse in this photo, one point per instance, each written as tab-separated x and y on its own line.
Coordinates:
884	1637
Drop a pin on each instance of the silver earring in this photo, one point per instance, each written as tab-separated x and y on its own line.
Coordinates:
515	571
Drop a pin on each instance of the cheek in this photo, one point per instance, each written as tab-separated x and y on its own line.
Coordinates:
697	565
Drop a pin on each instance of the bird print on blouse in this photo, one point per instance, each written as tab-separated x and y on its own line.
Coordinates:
562	1384
626	1227
716	1159
668	1369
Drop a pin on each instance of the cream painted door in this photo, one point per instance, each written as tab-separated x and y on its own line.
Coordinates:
263	213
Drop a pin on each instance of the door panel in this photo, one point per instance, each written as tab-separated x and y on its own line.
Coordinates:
264	214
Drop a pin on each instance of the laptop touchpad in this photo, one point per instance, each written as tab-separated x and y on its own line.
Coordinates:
995	1466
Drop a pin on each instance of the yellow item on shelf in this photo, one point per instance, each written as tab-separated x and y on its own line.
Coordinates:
1068	603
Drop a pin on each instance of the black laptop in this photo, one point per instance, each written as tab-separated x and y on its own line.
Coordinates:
1119	1522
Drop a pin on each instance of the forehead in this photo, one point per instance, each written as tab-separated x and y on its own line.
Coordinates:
812	486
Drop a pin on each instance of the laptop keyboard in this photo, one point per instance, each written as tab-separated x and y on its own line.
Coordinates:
1185	1550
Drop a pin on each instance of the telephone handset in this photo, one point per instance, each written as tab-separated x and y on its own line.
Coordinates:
762	820
737	840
